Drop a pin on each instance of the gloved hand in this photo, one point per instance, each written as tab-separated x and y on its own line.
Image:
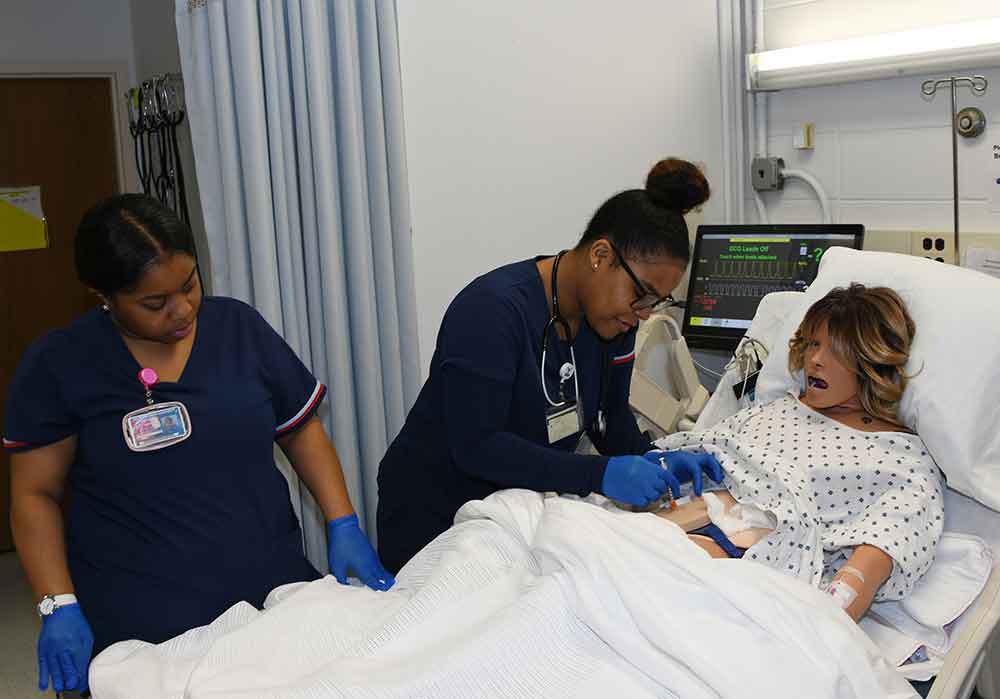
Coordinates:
64	647
685	466
634	480
347	547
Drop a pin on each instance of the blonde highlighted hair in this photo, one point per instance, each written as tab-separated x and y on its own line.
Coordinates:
870	332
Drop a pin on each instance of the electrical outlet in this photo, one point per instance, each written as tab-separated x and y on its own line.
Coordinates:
765	174
934	246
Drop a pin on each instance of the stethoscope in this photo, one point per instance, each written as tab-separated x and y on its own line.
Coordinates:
568	370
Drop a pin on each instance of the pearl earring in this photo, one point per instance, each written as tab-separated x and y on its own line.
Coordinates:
595	266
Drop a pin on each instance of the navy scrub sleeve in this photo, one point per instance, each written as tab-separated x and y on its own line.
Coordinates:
159	542
479	426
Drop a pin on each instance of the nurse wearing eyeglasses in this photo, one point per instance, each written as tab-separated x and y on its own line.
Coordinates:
532	355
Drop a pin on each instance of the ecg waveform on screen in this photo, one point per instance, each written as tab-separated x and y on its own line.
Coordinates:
753	289
754	269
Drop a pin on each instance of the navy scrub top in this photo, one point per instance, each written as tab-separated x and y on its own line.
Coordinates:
479	425
159	542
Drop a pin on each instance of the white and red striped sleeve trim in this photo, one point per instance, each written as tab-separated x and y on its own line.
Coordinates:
11	444
307	409
623	358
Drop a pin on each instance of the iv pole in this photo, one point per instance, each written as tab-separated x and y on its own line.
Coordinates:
977	84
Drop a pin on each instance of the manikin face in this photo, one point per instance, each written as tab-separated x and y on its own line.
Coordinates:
828	382
609	302
163	307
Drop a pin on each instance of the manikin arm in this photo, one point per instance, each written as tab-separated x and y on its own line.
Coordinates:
864	573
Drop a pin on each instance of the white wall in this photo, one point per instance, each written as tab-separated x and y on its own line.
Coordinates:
883	151
522	117
66	31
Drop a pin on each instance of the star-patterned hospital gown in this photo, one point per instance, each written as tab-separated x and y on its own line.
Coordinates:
830	487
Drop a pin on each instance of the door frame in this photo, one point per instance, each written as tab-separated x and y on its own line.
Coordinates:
119	76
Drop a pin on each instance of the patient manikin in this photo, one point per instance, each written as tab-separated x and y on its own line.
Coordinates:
826	484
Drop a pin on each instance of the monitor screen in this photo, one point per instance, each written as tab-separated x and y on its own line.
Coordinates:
733	267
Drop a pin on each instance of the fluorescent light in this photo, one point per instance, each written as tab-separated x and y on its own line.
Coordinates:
946	47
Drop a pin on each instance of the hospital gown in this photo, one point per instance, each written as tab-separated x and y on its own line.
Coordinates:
831	488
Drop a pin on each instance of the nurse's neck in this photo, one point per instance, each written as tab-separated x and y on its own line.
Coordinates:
570	307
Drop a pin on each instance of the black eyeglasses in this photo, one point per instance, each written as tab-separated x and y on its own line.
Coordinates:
646	300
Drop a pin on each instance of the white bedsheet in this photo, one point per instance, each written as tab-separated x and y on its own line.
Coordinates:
526	596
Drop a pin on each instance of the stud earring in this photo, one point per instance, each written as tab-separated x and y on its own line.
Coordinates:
595	266
104	307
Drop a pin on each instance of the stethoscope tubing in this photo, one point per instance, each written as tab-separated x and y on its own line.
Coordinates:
555	318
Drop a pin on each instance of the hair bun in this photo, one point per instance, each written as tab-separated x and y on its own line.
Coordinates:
677	184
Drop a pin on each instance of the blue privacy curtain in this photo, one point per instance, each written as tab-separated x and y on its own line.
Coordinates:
297	126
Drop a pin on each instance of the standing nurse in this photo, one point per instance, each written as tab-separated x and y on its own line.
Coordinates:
152	422
534	353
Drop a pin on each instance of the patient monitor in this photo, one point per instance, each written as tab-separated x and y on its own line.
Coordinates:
735	266
665	386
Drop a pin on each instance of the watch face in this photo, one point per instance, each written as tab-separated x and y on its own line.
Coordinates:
46	606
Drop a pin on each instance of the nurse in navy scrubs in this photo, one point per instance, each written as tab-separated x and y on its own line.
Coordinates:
531	355
153	419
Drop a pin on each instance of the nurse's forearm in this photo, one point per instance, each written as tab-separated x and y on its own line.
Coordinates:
315	460
37	525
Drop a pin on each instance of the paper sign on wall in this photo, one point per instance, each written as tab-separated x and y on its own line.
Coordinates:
22	223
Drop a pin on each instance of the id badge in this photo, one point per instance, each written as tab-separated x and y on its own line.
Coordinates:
156	426
563	422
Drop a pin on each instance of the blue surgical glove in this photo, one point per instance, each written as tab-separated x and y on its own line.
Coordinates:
64	648
634	480
348	548
685	466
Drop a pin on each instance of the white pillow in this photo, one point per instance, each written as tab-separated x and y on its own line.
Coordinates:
952	403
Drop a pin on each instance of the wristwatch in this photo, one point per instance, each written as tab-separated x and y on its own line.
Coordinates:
50	603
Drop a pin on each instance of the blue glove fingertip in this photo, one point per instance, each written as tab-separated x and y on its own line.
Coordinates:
717	473
43	674
696	481
68	669
56	674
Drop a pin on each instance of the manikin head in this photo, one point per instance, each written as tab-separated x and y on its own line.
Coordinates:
852	347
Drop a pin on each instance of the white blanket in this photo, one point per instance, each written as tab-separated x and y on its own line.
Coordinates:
526	596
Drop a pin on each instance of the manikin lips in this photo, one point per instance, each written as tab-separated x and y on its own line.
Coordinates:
817	383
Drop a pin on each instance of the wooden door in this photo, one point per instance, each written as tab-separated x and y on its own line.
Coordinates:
57	133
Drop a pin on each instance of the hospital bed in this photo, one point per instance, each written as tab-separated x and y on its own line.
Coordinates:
970	661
